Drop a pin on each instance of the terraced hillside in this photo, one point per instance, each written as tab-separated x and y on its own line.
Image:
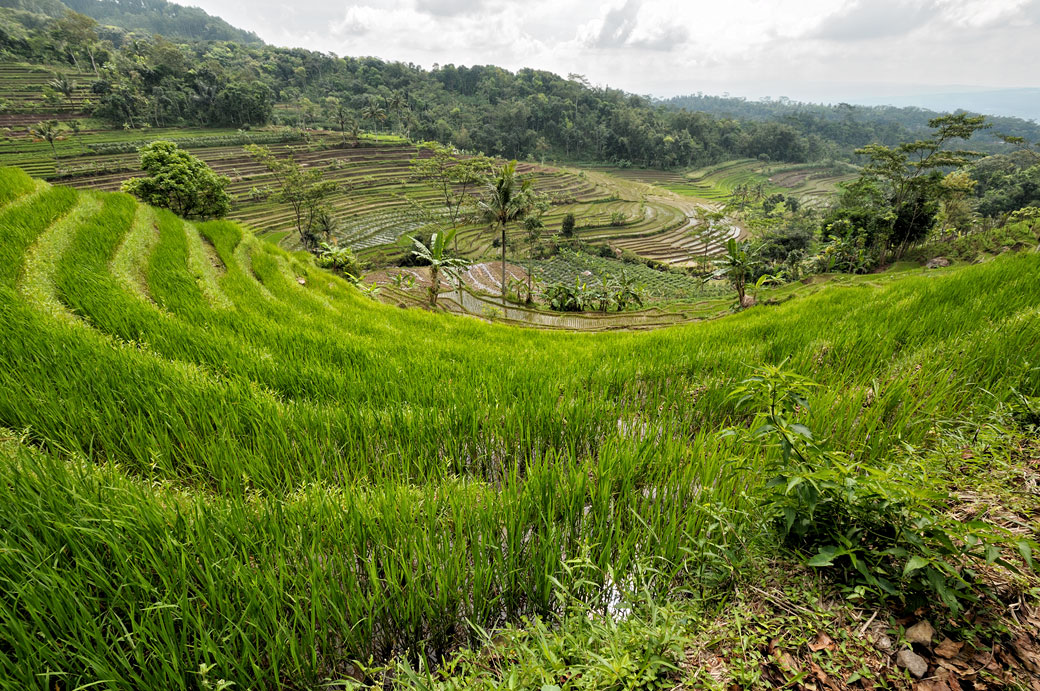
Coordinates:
220	464
24	93
378	204
809	182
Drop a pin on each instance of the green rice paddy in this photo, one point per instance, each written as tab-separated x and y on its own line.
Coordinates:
220	463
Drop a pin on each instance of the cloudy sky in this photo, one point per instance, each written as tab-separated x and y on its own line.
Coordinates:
804	49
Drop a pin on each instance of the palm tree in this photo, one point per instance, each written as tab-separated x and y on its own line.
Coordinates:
374	113
395	104
354	127
64	86
508	199
49	131
437	255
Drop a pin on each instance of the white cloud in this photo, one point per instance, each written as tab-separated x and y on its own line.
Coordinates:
754	47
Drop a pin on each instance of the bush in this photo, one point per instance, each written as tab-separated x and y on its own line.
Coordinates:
567	227
179	182
617	218
341	260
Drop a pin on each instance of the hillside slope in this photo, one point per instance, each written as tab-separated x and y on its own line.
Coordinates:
225	463
172	20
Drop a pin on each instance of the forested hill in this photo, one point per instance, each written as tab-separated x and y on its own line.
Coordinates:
149	16
843	121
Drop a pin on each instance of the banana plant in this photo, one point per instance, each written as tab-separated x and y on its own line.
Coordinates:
436	253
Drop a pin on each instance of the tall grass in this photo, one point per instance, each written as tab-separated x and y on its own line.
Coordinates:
248	466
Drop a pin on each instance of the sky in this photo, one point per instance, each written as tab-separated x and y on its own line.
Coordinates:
819	50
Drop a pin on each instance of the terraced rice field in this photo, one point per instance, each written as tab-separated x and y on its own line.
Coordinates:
102	159
23	89
657	285
378	205
809	182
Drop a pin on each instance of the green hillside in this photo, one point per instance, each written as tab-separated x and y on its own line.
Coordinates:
146	17
223	463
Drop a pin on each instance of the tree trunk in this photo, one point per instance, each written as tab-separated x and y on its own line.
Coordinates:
530	272
435	284
503	264
458	274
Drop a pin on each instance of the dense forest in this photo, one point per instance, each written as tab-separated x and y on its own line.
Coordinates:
844	123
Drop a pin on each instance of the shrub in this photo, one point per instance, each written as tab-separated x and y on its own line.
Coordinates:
872	527
567	227
179	182
341	260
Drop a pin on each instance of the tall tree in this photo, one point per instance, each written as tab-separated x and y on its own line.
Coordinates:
74	32
335	110
304	191
454	175
738	263
508	198
910	175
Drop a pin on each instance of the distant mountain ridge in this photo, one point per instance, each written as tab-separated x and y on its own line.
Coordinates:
843	116
1021	103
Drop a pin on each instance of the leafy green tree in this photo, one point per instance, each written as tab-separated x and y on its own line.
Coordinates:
242	103
567	226
909	175
508	198
304	191
534	225
179	182
160	104
74	32
1030	215
120	103
957	206
435	254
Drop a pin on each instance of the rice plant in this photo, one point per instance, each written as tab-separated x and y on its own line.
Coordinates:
220	462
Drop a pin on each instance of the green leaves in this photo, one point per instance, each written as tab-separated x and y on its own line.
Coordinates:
913	564
873	527
825	557
180	182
